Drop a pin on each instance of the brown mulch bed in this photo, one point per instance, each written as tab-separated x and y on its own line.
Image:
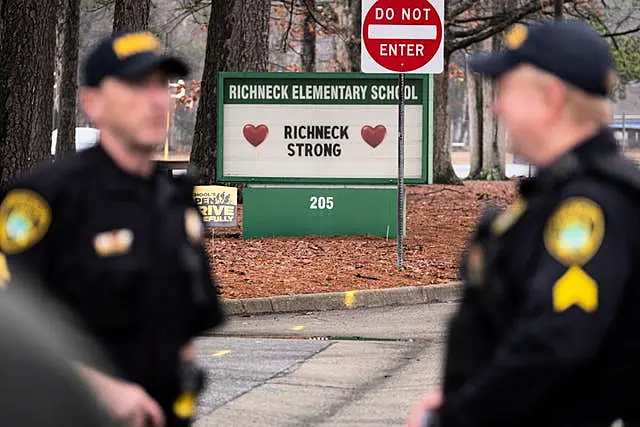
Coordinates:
439	219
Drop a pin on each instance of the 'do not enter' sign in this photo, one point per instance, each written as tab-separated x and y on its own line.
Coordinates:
402	36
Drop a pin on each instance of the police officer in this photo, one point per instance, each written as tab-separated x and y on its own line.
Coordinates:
118	241
39	388
546	332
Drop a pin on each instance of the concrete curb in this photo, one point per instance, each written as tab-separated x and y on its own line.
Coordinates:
409	295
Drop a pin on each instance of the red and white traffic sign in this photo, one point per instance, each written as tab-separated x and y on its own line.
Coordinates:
402	36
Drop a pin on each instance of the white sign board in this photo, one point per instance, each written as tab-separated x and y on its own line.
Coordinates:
315	128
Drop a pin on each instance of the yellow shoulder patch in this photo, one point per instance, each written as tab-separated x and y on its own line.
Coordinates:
25	218
131	44
575	287
5	275
575	231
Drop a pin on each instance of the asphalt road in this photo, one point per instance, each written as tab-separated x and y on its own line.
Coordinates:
363	367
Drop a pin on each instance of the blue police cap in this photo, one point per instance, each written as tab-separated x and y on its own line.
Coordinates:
129	56
570	50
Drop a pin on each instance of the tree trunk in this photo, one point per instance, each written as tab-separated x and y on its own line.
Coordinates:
131	15
342	43
354	39
443	172
474	106
557	9
309	39
488	131
26	67
492	151
465	123
2	13
68	82
44	69
493	165
236	41
58	59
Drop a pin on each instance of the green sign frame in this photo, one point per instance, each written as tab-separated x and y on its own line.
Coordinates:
425	80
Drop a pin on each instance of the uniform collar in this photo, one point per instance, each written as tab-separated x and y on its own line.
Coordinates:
116	178
570	163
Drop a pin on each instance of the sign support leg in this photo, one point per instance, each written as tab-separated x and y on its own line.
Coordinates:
401	196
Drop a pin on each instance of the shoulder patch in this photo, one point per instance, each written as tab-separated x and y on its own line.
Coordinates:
575	231
509	217
25	217
575	287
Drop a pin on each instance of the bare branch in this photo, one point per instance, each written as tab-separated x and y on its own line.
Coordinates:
279	66
184	10
474	19
461	7
285	36
492	27
622	33
314	18
461	38
577	13
101	5
628	16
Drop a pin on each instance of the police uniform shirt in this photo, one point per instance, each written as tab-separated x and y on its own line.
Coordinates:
569	262
110	245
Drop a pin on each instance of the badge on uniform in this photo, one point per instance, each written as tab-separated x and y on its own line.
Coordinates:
25	218
193	226
115	242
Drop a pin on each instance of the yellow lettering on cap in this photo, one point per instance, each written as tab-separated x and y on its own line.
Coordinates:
516	36
131	44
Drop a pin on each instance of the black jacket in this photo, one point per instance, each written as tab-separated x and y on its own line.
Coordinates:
546	333
123	252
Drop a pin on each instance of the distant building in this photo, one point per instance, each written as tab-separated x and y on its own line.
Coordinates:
626	123
629	103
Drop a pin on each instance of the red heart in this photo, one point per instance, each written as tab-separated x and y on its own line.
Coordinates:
255	134
373	136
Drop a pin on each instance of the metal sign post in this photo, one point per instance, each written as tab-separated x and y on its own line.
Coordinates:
402	36
400	238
